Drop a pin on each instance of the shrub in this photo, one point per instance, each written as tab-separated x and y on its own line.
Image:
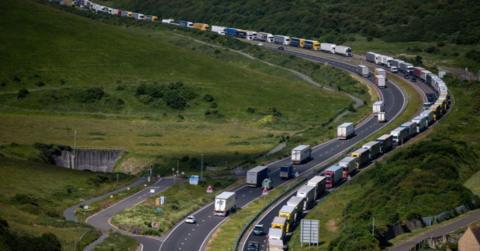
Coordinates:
22	93
208	98
91	95
251	110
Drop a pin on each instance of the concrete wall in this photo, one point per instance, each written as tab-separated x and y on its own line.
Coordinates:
96	160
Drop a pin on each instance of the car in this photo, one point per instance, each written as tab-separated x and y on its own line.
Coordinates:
191	219
258	230
281	48
252	246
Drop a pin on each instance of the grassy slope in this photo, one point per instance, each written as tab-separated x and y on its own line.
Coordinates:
117	242
330	211
49	190
70	53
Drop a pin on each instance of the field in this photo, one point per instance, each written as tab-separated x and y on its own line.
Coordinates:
453	142
147	91
117	242
34	195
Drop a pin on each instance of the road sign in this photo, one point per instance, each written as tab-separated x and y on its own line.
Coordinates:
194	180
162	200
210	189
309	232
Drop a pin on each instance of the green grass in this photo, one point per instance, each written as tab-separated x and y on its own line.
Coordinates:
474	183
117	242
34	196
59	66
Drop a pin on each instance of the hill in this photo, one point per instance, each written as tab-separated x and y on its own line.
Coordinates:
146	90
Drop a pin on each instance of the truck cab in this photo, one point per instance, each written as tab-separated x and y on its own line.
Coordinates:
286	172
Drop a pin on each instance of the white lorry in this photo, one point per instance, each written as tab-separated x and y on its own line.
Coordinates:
343	50
377	107
225	203
327	47
380	81
218	29
301	154
308	193
345	130
363	71
275	245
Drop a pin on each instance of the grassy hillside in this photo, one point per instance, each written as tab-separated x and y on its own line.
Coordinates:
34	195
142	90
419	180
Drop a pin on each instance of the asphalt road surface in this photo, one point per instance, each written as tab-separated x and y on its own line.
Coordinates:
193	237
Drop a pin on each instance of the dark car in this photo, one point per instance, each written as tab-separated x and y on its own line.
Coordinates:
281	48
252	246
258	230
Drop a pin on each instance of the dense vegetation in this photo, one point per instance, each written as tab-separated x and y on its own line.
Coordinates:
421	180
453	21
12	241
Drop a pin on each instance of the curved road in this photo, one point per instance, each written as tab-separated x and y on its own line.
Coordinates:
193	237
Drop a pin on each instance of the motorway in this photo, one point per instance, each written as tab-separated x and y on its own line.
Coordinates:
193	237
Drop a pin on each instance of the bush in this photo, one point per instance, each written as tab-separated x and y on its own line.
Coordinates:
91	95
473	55
208	98
22	93
251	110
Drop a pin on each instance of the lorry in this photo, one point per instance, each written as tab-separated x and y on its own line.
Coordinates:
375	149
256	175
281	39
349	165
167	21
422	123
138	16
386	142
377	107
333	175
301	154
319	183
372	57
184	23
297	42
345	130
412	128
290	213
275	234
201	26
308	194
343	50
400	135
280	223
232	32
251	35
241	33
381	117
312	45
363	71
362	155
225	203
429	116
275	245
380	81
405	68
380	71
286	172
327	47
265	37
218	29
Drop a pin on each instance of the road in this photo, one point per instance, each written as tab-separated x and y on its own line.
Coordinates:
193	237
454	225
267	218
101	220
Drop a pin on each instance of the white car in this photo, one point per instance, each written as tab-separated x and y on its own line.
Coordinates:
190	219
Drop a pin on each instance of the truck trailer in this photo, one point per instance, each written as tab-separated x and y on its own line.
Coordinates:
380	81
377	107
290	213
422	123
275	245
218	29
256	175
400	135
372	57
282	40
380	71
201	26
280	223
363	71
301	153
429	116
319	183
349	165
412	128
333	175
312	45
275	234
362	155
327	47
345	131
381	117
225	203
343	50
265	37
375	149
232	32
386	142
286	172
308	194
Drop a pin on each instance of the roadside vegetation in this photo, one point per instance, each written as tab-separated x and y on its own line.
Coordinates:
34	195
422	179
117	242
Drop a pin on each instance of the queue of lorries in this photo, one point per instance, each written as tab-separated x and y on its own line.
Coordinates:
291	213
